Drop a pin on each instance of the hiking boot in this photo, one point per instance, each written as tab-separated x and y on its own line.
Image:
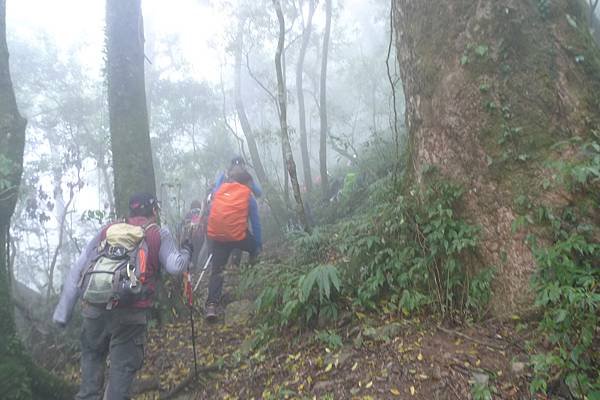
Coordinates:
210	312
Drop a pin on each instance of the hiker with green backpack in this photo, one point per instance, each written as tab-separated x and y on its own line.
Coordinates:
115	277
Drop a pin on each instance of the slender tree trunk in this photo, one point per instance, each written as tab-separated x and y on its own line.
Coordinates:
300	93
281	95
593	5
130	138
62	222
323	104
490	87
275	203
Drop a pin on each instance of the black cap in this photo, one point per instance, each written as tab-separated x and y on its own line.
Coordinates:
238	160
140	201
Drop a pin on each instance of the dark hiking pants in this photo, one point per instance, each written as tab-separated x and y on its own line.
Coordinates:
119	335
221	252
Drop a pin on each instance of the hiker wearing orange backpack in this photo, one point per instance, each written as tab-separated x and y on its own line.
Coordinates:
233	223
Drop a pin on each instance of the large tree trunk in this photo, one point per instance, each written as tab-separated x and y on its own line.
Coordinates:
12	144
323	104
275	203
300	92
130	138
285	138
490	86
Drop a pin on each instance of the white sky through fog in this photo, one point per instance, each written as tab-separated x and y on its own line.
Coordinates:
80	24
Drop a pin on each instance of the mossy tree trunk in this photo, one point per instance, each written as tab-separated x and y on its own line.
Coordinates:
129	131
490	87
12	144
20	378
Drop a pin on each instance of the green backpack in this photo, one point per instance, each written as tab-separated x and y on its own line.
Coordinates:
117	274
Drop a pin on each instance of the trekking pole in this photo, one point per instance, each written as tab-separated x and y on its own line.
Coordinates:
203	271
189	292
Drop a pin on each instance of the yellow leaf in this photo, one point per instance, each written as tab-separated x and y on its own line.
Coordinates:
328	367
499	373
395	391
355	366
412	390
369	384
360	315
420	357
478	362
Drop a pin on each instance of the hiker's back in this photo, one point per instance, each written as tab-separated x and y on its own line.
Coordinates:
124	271
228	218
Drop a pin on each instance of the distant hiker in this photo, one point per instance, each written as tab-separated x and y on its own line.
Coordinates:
116	277
238	165
194	228
232	205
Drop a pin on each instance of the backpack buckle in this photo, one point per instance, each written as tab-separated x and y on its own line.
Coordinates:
133	281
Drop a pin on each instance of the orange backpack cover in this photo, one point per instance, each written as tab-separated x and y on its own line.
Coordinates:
228	218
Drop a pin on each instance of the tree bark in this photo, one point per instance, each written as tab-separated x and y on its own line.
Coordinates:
129	131
323	104
473	73
285	139
300	93
12	144
275	203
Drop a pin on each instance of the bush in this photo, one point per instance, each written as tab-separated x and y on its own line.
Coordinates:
407	250
415	251
300	295
567	289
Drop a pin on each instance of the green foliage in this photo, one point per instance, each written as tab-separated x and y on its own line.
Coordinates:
481	50
567	289
15	382
413	251
299	295
99	217
330	339
544	7
583	174
567	282
7	167
481	391
311	248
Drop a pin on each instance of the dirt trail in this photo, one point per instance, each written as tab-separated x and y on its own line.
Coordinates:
379	359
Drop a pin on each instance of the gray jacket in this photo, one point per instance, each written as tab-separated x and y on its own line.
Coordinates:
170	257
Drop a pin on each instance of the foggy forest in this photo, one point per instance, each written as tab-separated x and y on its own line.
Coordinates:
299	199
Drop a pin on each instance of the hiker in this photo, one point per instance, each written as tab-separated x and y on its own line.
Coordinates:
194	228
238	164
116	277
233	204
